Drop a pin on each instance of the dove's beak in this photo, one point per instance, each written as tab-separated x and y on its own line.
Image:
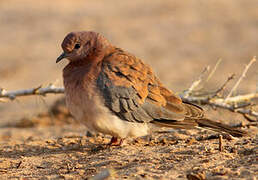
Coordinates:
62	56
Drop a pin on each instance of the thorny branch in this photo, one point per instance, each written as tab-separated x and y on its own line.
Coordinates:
240	103
27	92
241	77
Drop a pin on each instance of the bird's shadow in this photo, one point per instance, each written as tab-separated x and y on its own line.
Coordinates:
35	150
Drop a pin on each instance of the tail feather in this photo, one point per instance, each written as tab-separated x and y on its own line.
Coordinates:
203	123
216	126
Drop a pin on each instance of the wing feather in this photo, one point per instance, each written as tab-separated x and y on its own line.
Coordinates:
131	91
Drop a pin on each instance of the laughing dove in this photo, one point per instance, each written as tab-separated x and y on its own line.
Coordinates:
113	92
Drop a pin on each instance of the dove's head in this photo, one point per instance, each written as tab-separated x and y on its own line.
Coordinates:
83	46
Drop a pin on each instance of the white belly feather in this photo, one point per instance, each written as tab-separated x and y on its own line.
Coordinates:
90	111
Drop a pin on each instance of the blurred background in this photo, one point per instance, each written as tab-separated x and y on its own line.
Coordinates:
177	38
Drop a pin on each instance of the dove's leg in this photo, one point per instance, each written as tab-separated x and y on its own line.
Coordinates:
115	142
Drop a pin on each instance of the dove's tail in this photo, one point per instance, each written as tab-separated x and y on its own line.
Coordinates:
216	126
201	123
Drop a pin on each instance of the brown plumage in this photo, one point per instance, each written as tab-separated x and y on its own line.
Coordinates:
113	92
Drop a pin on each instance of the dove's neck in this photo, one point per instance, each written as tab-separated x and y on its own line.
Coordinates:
77	77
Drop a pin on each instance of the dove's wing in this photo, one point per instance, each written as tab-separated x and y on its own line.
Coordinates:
133	92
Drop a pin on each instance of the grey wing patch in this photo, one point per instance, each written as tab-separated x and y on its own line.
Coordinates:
158	113
122	101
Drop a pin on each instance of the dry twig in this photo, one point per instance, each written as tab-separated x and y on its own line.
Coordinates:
214	69
32	91
196	83
241	77
219	102
224	85
237	104
220	143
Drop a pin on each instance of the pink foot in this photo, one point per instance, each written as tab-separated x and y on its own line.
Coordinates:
115	142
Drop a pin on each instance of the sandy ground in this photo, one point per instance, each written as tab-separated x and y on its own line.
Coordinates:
52	146
178	39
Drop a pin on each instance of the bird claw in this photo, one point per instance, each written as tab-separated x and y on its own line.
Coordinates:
115	142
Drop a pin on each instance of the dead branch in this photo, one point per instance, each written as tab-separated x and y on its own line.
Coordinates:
241	77
32	91
239	103
224	85
196	83
214	69
220	143
219	102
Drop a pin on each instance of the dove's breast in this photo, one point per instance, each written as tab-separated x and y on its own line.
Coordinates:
85	103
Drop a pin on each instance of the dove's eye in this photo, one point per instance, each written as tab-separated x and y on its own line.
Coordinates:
77	46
